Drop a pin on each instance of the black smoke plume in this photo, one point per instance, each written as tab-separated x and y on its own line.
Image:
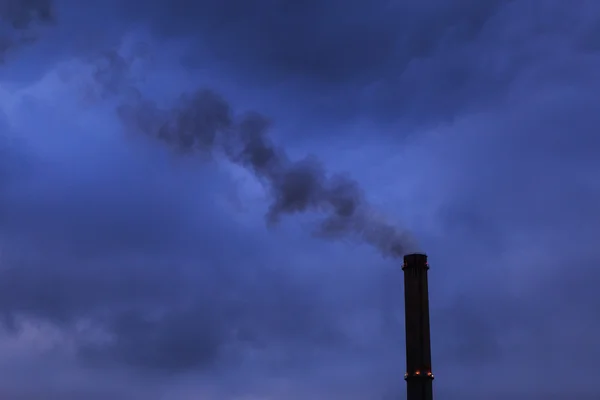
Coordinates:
20	21
203	122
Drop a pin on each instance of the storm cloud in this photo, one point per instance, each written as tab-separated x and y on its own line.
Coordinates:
20	22
131	269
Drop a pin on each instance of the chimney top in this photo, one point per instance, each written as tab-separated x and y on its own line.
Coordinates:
415	260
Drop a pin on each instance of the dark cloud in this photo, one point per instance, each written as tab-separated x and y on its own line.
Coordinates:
332	42
162	292
410	60
128	248
20	22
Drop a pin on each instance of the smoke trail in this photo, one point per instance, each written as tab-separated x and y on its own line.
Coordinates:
20	20
204	123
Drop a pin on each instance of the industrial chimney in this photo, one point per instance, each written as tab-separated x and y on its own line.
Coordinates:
416	310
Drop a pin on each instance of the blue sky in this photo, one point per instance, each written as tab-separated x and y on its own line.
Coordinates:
130	269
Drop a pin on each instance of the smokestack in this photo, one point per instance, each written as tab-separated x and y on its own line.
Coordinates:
418	375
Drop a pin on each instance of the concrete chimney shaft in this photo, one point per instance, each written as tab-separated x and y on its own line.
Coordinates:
418	375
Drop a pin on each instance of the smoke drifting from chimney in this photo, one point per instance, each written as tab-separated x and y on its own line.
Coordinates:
203	122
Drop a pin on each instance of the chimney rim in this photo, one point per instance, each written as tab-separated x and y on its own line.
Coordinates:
415	260
415	257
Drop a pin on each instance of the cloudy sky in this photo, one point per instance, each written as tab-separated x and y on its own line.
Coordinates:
148	252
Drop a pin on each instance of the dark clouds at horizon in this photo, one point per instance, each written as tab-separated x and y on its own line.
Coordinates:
128	272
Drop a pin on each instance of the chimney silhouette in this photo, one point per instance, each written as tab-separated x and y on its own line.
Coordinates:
418	375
